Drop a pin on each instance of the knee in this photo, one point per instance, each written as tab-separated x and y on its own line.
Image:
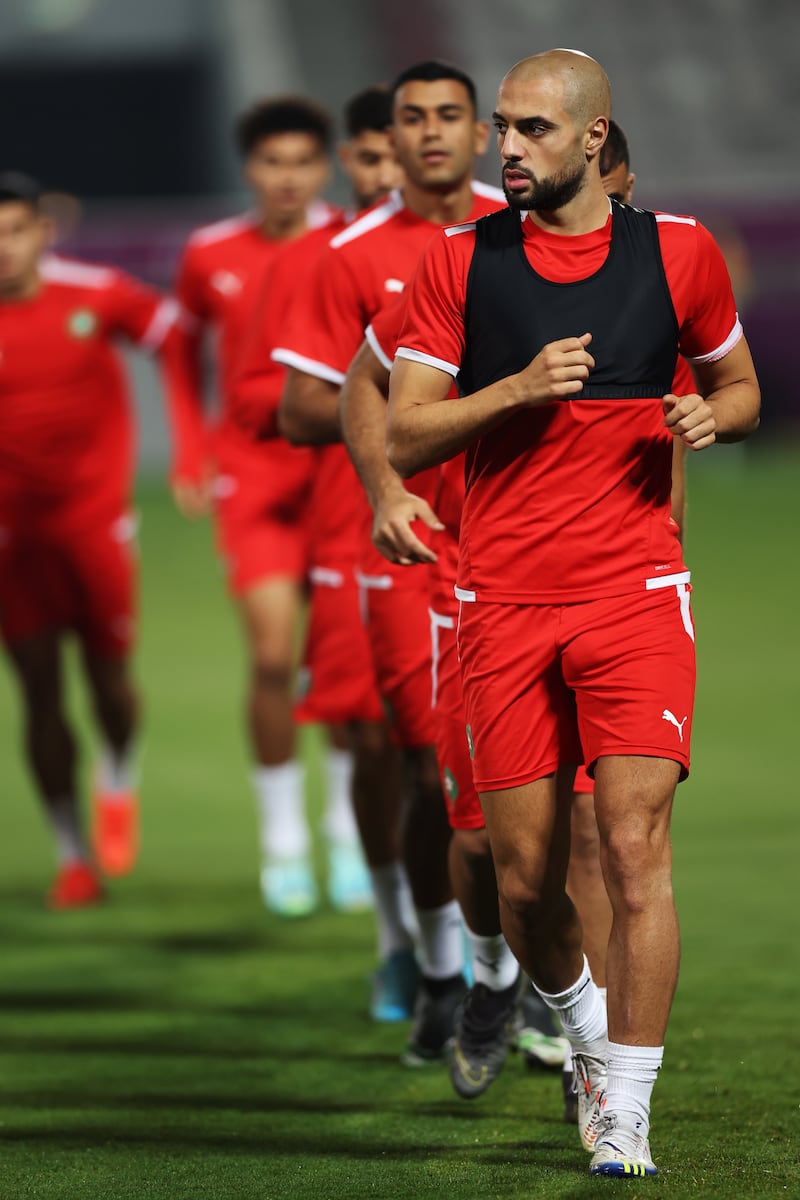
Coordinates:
473	847
271	668
637	863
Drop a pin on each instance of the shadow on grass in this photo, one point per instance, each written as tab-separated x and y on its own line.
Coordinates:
285	1144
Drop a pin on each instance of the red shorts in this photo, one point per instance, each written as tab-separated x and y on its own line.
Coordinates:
548	685
398	628
336	680
82	580
452	752
262	504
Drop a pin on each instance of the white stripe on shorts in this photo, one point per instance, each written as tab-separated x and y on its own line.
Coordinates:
438	621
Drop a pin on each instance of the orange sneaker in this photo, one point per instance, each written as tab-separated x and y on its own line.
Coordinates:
115	832
75	885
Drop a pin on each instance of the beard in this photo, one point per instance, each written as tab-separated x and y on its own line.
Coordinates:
547	195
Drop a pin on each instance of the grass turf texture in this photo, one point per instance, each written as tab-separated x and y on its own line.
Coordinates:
179	1042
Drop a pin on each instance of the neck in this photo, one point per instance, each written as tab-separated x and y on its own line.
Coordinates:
22	288
442	208
282	227
587	212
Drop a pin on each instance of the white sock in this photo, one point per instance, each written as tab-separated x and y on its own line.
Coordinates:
632	1072
117	773
582	1013
441	944
340	821
493	964
280	798
393	908
64	818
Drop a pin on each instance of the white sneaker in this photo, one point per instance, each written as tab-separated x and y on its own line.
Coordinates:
620	1149
591	1076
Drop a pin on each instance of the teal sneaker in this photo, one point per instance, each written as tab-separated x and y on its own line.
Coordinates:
288	887
349	885
394	987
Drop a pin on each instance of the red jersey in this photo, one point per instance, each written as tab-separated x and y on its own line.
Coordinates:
218	285
560	504
257	378
66	427
363	270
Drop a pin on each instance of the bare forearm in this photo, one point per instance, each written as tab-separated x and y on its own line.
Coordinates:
422	435
309	410
736	410
362	412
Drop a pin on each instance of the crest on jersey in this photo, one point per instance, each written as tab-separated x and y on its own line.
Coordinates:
450	786
82	323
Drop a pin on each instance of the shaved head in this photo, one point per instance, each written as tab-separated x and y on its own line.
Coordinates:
586	92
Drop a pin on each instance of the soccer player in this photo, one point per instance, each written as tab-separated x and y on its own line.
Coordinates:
500	1005
575	629
67	557
337	677
436	135
260	492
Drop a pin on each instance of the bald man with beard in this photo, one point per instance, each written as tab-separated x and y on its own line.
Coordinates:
575	631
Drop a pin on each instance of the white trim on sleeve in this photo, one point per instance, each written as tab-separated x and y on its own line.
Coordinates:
377	348
428	359
161	322
308	366
735	336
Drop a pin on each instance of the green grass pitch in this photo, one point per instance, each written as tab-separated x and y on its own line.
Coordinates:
179	1042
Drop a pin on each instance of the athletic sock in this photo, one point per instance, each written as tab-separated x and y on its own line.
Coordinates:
64	818
340	822
441	942
632	1072
393	908
493	964
582	1013
117	772
280	799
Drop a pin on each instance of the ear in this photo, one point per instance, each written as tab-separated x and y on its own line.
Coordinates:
629	187
597	133
481	137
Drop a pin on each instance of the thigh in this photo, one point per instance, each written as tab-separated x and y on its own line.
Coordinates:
631	663
521	722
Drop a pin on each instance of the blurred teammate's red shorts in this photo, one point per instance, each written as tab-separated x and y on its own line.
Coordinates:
398	628
336	680
82	580
262	503
449	723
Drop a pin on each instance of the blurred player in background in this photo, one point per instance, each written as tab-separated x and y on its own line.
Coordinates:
336	678
67	556
259	492
436	135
